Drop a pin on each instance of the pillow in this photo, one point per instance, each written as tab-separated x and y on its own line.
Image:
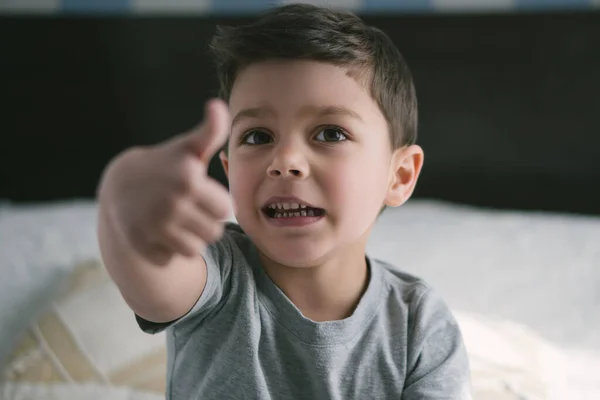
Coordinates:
89	336
39	247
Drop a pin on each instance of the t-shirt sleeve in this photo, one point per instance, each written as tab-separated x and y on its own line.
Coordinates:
218	258
438	366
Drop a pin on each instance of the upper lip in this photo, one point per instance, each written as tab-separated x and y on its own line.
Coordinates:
287	199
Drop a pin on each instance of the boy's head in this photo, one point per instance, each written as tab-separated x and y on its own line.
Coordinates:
307	32
324	116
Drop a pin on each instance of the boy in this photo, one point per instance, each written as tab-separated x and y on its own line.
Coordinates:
285	305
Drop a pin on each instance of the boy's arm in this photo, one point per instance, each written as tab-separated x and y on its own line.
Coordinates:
157	211
157	293
438	366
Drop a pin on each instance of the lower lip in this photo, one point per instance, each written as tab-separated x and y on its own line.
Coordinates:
293	221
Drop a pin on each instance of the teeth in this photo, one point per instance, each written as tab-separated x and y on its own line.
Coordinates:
280	207
302	213
285	206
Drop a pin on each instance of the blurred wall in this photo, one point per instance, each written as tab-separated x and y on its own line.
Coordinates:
124	7
509	101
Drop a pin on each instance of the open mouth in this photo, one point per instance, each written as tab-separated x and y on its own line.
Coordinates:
291	210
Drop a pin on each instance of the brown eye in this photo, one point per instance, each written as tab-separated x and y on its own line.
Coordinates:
257	137
331	134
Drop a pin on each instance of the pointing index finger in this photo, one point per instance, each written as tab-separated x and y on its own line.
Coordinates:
214	131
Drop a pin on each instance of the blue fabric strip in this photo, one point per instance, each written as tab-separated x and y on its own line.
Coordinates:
96	6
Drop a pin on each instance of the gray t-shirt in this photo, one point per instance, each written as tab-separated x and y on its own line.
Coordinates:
244	339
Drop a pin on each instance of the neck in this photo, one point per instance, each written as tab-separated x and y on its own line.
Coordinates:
330	290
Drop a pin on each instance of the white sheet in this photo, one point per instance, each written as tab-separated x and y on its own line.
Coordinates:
539	269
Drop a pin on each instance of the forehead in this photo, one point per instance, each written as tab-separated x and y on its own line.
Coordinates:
294	84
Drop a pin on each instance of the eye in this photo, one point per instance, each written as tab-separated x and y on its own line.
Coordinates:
256	136
331	134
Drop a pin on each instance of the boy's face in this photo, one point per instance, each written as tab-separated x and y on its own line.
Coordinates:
305	132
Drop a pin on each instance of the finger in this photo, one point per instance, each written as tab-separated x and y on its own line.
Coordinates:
157	253
183	242
214	131
208	229
214	199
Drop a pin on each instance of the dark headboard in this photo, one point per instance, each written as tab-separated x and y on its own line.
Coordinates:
509	104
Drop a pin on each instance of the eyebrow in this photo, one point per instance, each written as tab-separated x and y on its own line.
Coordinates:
254	112
324	111
319	111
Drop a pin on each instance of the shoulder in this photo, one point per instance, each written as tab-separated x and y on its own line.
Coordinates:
235	237
232	260
410	288
424	305
230	248
436	357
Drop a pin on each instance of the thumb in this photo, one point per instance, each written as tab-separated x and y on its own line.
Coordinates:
213	132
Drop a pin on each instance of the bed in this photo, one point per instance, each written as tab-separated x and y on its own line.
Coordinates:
523	286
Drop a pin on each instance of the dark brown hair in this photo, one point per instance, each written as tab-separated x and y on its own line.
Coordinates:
308	32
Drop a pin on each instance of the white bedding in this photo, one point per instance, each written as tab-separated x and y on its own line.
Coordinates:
538	269
72	392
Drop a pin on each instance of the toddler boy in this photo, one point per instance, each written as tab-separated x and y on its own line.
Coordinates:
285	304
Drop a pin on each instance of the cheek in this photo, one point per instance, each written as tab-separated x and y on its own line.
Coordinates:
241	184
356	186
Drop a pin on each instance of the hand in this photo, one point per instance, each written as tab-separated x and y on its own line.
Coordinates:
161	198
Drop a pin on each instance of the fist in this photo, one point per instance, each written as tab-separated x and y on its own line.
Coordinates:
161	198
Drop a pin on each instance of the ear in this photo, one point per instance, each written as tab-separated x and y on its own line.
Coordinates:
405	168
224	162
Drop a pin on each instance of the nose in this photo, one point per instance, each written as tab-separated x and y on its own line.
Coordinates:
288	162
